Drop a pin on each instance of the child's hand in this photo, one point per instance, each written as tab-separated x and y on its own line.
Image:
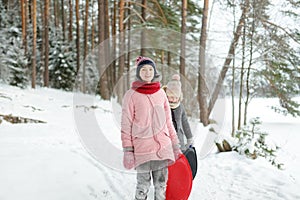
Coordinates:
190	143
177	153
128	160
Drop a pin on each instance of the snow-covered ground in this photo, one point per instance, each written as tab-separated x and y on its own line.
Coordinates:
76	154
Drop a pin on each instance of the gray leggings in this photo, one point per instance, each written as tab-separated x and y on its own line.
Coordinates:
159	171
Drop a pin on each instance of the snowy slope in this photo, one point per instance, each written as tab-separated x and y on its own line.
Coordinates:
65	158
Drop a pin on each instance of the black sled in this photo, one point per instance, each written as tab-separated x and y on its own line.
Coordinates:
191	156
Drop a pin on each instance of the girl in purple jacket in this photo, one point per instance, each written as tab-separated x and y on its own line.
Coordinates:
149	139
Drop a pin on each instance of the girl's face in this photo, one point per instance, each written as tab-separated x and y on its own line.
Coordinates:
147	73
171	97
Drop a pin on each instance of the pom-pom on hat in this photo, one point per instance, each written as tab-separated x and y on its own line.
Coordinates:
174	85
140	62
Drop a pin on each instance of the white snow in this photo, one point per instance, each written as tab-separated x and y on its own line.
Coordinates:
77	154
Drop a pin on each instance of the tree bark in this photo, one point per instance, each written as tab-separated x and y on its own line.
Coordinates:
249	69
202	88
70	21
128	44
232	100
183	37
24	24
42	51
46	30
77	37
242	77
109	86
233	84
28	12
55	13
93	28
121	48
121	40
85	43
103	85
114	42
169	58
143	34
63	21
33	77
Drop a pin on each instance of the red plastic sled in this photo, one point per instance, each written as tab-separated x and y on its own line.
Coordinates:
180	180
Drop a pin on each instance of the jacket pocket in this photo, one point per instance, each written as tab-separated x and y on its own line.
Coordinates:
144	146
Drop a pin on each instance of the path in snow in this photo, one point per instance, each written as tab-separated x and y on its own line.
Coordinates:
48	161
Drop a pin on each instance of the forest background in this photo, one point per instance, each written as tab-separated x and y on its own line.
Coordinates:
237	48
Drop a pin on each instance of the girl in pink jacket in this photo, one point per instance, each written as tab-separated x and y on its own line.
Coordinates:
149	139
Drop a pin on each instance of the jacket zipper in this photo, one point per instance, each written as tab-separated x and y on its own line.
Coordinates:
154	135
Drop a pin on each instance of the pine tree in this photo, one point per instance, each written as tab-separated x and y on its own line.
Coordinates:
282	73
13	61
62	63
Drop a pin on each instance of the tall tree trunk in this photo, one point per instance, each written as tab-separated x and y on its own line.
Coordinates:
169	58
106	21
102	54
63	21
114	42
183	43
55	12
183	38
228	60
242	76
33	77
233	83
109	86
202	88
249	68
24	24
143	33
42	51
232	99
46	30
121	47
70	21
85	43
248	87
128	43
77	37
28	12
93	27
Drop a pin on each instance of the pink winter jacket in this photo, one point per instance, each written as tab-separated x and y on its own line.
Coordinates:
146	126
